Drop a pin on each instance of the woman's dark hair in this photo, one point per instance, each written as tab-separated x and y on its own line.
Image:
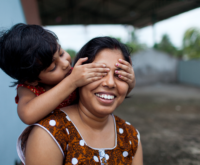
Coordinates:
97	44
26	50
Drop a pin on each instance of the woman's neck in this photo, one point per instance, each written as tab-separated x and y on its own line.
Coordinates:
90	120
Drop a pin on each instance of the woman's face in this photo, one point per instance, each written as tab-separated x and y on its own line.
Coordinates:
100	98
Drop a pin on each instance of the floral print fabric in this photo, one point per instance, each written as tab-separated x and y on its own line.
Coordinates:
74	148
38	90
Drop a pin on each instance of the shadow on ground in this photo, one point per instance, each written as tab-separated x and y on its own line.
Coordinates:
168	118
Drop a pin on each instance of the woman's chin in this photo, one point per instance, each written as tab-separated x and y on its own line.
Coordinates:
103	111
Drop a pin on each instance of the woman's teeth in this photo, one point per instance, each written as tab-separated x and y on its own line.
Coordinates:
104	96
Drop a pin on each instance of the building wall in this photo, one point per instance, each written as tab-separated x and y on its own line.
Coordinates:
11	126
152	66
189	72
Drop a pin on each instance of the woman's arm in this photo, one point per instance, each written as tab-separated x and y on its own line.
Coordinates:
138	158
41	149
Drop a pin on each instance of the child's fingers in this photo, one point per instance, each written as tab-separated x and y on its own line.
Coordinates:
92	79
90	75
124	62
98	70
126	79
121	73
80	61
95	65
124	67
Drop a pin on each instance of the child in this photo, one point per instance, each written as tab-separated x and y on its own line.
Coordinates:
31	55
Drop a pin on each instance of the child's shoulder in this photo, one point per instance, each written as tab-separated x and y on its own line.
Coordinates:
37	90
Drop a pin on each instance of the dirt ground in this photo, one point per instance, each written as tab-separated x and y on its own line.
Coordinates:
168	119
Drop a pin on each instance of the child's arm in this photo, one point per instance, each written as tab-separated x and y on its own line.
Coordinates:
126	74
32	109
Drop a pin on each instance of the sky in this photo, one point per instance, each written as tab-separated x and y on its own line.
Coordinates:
75	36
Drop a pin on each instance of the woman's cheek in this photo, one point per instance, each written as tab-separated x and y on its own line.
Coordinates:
94	85
122	88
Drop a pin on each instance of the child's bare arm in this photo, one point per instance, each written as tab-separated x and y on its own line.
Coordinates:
32	109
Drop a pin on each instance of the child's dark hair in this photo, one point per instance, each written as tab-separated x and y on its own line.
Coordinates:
97	44
26	50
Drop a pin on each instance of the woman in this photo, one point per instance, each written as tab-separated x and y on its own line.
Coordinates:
88	132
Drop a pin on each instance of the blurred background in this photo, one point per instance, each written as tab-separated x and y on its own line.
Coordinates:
165	40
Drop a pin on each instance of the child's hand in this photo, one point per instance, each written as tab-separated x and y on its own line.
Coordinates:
87	73
126	73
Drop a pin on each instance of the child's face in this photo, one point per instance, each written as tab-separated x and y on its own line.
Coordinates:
58	70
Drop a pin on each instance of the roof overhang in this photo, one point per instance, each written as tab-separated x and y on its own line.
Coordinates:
139	13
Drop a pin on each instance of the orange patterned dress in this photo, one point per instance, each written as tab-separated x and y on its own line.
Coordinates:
76	151
38	90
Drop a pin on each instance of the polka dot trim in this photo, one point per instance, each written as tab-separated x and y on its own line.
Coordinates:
95	158
107	156
52	122
102	153
82	142
125	153
67	147
128	123
74	161
68	118
67	131
121	131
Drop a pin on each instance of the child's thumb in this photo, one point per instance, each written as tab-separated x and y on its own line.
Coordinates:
81	60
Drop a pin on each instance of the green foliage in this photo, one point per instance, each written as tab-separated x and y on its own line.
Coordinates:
191	43
190	47
133	44
135	47
71	52
166	46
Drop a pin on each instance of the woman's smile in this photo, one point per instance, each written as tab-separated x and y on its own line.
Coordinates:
105	97
101	97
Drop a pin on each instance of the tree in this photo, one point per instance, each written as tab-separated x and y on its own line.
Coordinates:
134	44
166	46
72	53
191	43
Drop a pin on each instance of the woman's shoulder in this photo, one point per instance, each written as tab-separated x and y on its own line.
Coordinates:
128	135
55	125
57	117
123	123
126	127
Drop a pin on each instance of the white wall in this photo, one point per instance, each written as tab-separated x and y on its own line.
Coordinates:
10	125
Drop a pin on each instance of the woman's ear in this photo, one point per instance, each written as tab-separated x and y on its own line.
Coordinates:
35	83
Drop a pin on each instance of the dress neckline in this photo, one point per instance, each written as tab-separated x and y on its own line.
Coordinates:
99	149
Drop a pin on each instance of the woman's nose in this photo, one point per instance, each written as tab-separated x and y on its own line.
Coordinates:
109	80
